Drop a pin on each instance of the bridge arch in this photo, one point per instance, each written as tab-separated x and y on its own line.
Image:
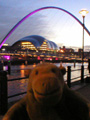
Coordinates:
37	10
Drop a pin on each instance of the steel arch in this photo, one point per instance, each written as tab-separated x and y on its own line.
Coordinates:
37	10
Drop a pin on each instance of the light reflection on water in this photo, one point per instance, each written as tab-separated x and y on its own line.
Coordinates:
18	86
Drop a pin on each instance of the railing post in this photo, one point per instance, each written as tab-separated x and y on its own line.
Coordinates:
3	92
82	74
9	68
89	65
69	76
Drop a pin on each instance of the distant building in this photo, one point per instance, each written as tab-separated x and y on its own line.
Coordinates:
35	42
66	50
80	50
5	47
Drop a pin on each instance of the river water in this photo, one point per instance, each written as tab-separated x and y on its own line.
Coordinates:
18	86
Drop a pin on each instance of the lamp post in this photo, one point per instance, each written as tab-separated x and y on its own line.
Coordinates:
83	12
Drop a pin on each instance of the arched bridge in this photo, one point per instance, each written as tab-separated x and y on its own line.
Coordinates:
37	10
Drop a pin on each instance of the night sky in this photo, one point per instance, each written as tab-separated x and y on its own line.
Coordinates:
52	24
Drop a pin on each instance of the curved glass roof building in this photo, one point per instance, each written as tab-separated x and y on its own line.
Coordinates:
35	42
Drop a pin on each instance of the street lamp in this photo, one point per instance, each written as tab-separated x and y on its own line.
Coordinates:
83	12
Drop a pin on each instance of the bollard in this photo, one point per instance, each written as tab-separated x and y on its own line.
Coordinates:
3	92
69	76
82	74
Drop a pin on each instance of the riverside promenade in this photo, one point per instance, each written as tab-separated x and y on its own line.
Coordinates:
83	89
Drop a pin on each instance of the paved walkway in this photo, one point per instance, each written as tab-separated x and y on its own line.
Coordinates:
84	89
0	117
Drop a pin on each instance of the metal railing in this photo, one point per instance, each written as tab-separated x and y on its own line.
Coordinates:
80	78
3	86
21	93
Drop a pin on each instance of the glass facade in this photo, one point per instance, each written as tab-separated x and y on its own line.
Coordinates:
35	42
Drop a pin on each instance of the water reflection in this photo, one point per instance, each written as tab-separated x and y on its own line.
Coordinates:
18	86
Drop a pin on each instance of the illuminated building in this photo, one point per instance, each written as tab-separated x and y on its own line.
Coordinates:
5	47
66	50
35	42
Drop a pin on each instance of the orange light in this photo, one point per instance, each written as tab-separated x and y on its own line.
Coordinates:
62	51
83	12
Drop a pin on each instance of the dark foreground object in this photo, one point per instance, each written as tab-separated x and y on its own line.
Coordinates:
49	98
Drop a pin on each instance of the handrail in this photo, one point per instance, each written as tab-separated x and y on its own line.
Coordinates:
75	70
17	94
75	78
14	79
78	76
86	74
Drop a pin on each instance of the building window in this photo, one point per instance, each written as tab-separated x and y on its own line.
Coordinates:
27	45
44	46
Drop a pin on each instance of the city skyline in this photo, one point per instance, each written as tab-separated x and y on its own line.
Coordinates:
52	24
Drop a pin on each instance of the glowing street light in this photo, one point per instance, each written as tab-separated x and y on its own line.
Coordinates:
83	12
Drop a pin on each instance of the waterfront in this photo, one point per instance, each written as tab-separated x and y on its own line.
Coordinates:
18	86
